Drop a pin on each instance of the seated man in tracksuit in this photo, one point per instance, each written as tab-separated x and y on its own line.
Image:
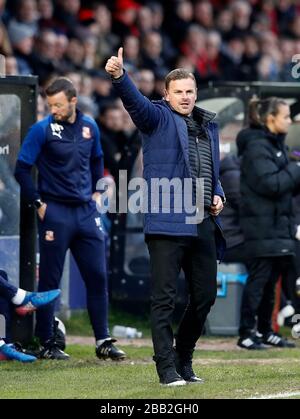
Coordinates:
24	303
66	149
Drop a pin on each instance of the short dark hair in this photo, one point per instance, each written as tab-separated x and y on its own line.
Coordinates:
260	109
62	84
179	74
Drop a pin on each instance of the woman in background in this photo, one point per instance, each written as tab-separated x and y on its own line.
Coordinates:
268	181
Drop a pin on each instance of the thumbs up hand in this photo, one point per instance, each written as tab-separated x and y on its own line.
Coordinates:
114	65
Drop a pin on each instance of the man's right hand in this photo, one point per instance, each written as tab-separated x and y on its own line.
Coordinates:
42	211
114	65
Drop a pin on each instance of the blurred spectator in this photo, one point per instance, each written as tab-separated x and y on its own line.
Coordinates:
25	16
5	45
66	16
103	93
22	41
203	14
194	48
250	59
43	59
288	49
11	66
75	54
151	52
76	79
231	59
293	30
60	50
131	53
241	18
101	27
286	13
87	106
125	18
213	48
144	20
159	85
46	11
230	178
179	21
42	107
224	23
146	82
268	8
267	69
120	139
114	141
90	47
169	52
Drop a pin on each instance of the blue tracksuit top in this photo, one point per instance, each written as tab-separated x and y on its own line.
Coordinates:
64	154
165	155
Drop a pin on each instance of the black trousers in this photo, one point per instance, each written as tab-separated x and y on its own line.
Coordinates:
259	293
197	257
236	254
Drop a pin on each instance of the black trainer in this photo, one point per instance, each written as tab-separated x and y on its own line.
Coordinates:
171	379
108	350
51	350
251	342
185	369
274	339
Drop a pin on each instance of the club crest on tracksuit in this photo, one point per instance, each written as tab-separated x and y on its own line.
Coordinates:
86	133
49	236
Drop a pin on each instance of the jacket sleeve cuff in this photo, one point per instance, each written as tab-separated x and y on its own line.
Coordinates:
119	79
219	191
294	170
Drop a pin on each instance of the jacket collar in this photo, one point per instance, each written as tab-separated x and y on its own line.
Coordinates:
276	139
203	116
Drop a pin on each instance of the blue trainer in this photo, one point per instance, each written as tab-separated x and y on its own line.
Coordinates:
34	300
9	353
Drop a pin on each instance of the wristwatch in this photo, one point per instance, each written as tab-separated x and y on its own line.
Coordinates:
38	203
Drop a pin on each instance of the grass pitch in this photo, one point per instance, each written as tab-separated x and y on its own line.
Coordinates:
234	374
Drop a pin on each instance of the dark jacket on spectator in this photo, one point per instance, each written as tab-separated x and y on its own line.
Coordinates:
230	179
120	150
268	180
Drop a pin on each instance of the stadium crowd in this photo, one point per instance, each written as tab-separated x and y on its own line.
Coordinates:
229	40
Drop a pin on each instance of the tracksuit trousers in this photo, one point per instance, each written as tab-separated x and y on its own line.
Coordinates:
80	229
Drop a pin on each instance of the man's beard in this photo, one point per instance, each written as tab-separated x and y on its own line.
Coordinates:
66	117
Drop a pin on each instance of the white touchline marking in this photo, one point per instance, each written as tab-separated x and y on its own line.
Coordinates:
276	396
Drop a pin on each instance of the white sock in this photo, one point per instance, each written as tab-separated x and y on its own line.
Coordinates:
100	341
19	297
2	342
